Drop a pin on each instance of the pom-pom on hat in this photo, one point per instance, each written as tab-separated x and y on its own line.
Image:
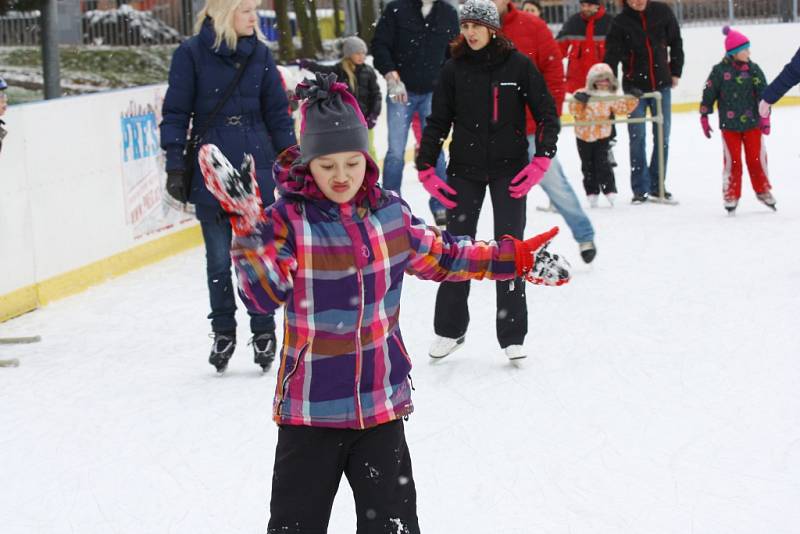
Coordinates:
482	12
331	120
735	41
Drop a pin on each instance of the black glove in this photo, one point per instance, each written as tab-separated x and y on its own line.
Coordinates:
635	91
175	186
581	97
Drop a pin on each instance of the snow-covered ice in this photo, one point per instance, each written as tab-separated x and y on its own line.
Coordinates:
660	394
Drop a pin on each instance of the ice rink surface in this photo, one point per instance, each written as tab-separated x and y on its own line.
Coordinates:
660	395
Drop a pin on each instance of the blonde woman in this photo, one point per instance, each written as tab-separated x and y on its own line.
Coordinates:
253	120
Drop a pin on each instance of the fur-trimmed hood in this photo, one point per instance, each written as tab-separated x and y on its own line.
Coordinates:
597	72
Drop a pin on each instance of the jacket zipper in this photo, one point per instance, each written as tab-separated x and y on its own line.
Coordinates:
495	102
290	374
649	52
359	413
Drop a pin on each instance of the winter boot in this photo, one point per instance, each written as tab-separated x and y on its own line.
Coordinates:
222	350
443	346
639	198
588	251
515	352
593	200
767	199
263	349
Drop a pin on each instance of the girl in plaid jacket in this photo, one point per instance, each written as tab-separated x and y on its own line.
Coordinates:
334	250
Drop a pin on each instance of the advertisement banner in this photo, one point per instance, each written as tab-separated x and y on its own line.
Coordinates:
148	209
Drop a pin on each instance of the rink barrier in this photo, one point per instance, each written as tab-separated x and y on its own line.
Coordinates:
64	285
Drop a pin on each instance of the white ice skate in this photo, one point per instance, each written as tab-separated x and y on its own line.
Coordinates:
515	352
444	346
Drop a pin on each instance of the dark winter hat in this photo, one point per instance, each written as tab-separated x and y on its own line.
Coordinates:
735	42
331	120
353	45
482	12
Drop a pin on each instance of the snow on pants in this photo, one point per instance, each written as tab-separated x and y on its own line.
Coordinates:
451	317
309	462
755	153
598	176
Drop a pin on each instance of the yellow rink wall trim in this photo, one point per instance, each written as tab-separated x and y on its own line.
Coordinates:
31	297
63	285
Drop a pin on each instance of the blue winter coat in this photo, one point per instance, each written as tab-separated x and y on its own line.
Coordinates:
788	78
254	120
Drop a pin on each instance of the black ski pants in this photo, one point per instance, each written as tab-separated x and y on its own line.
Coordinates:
451	317
598	175
309	462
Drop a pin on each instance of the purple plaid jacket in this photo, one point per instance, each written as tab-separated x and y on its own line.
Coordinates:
338	270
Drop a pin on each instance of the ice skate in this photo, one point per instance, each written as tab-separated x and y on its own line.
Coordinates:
222	350
611	197
263	350
515	352
730	206
588	251
767	199
593	200
444	346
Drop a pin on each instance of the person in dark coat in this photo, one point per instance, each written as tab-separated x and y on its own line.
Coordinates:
646	39
408	49
361	80
788	78
254	120
482	94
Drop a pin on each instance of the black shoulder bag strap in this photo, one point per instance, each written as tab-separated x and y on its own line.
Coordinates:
190	154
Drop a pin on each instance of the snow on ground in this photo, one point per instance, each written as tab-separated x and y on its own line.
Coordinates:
660	395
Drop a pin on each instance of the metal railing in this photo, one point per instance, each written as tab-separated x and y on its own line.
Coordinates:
693	12
658	119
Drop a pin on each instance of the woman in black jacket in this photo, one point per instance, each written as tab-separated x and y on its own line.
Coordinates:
482	93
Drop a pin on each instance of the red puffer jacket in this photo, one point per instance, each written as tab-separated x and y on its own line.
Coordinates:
533	38
583	42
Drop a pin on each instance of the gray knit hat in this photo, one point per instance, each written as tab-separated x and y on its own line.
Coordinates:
482	12
353	45
331	120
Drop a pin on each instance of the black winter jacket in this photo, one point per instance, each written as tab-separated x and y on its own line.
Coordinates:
483	95
413	46
366	91
648	44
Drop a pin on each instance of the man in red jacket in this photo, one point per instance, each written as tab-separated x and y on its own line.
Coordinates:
532	37
583	41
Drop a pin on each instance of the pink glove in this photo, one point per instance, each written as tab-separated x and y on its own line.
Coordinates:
765	125
706	127
435	187
764	108
531	175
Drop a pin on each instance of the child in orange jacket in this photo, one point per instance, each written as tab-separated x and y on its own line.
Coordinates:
593	141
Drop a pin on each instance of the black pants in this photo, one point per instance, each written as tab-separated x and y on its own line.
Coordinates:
452	312
309	463
598	176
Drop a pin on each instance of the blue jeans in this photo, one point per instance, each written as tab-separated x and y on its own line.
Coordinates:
644	178
399	121
217	237
561	194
